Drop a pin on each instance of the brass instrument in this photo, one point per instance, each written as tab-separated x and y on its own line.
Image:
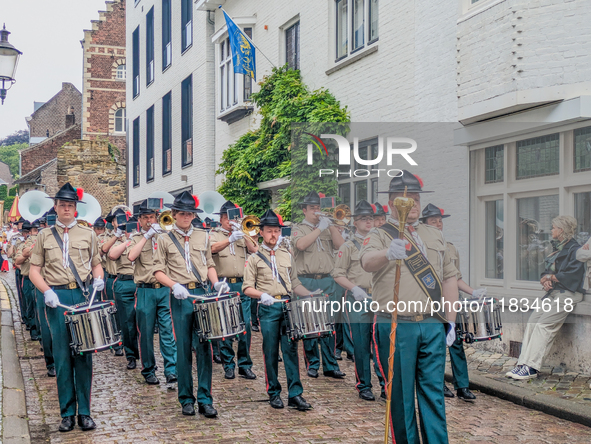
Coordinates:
249	225
82	223
165	220
340	215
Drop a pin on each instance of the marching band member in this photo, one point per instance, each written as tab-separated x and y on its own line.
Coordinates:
229	248
152	299
183	263
28	295
379	218
459	365
427	275
314	240
268	278
64	258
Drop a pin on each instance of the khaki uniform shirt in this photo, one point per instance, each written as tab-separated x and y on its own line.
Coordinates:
109	265
144	264
259	275
123	264
454	256
383	279
100	240
15	248
347	264
315	259
228	264
26	265
83	254
171	262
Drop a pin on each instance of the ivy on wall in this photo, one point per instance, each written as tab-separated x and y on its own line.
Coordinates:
266	153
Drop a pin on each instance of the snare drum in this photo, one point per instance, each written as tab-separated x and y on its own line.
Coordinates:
93	329
307	317
218	318
481	321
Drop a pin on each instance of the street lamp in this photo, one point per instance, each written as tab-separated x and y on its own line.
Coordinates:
9	56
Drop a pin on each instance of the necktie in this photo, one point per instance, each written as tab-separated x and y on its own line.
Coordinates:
186	236
66	250
271	251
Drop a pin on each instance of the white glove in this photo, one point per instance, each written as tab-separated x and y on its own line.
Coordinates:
118	233
98	284
345	235
235	226
324	223
397	249
358	293
179	291
267	299
219	284
51	299
154	229
451	334
479	293
236	235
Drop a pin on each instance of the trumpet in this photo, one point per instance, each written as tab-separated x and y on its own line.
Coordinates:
249	225
340	215
165	220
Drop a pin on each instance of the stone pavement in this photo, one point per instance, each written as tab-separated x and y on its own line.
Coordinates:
127	410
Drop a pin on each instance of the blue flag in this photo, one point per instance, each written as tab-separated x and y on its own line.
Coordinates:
243	57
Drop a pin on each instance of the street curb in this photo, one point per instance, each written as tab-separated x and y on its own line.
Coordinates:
15	423
560	408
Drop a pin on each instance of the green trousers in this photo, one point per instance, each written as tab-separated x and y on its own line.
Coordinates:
29	303
153	307
124	292
328	343
344	341
186	337
226	347
44	329
459	364
18	280
108	295
419	366
272	321
74	373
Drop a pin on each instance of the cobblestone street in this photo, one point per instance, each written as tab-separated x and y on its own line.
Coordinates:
127	410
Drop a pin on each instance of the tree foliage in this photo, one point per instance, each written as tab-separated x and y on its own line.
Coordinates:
266	153
8	196
21	136
9	154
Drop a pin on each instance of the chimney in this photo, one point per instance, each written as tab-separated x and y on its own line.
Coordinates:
70	117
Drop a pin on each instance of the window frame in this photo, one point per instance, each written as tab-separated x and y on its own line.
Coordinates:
187	121
150	71
136	62
150	167
296	32
350	33
186	25
122	68
166	34
123	120
167	134
136	153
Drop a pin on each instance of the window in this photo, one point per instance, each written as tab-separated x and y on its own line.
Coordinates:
534	224
167	134
538	156
150	46
494	238
166	34
582	149
229	80
374	190
186	24
360	191
120	126
136	152
120	73
345	194
187	121
351	17
368	150
292	46
136	61
583	216
150	144
493	164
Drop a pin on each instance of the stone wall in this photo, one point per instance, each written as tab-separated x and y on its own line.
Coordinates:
87	164
51	116
43	152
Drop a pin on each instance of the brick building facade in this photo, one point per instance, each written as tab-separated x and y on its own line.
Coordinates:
103	97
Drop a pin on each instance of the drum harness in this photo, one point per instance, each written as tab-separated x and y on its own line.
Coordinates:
83	285
182	251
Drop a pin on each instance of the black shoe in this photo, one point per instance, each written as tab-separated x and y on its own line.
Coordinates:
189	410
246	373
276	402
279	359
299	403
207	410
51	372
383	396
86	423
447	392
466	395
171	379
119	352
131	364
338	355
67	424
229	373
367	395
35	338
337	374
350	357
152	380
313	373
255	327
217	359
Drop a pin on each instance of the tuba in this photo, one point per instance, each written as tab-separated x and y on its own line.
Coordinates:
34	204
89	211
165	220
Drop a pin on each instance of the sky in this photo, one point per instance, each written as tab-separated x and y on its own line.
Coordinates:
48	33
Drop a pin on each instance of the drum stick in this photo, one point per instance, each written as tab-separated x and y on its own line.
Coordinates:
66	307
220	290
199	298
276	300
92	297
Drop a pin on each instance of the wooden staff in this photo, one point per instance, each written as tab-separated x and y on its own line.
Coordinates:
403	206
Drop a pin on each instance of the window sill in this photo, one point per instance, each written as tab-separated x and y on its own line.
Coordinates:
352	59
167	174
475	9
236	113
186	49
149	180
186	166
149	84
166	68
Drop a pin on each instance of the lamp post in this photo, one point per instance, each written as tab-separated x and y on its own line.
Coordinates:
9	56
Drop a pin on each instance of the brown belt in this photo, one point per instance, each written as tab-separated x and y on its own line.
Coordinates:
314	276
